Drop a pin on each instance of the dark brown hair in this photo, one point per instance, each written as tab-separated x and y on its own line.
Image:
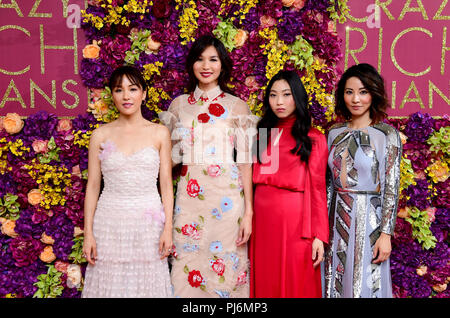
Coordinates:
133	74
373	82
197	49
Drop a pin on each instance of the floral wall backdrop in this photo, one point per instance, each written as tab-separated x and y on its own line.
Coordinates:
43	158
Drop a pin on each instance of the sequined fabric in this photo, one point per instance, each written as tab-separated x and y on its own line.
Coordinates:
128	221
363	194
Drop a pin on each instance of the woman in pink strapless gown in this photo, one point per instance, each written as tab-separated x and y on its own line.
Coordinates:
128	231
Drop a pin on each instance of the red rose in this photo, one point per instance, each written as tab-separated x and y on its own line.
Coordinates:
216	110
191	99
195	278
219	266
203	118
161	9
184	169
192	188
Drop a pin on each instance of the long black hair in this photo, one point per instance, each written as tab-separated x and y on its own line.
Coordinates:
201	44
302	124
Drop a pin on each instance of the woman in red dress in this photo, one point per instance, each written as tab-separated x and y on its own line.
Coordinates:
290	223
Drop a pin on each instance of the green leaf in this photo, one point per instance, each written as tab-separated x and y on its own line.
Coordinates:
186	269
221	279
201	197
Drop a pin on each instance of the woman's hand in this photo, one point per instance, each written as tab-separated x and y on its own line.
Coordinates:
165	243
382	248
245	229
317	252
90	248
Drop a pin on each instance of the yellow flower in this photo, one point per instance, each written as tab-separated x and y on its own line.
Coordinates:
438	171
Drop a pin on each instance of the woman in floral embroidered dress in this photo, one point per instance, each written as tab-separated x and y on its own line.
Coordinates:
213	209
364	160
127	231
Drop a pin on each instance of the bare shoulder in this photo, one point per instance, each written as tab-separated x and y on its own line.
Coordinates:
99	134
158	130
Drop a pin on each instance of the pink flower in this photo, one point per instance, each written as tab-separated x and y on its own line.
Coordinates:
40	146
267	21
64	124
214	170
431	211
242	279
61	266
156	215
193	188
108	147
191	231
218	266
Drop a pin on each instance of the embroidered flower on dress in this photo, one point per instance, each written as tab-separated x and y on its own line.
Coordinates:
215	247
226	204
216	109
191	230
203	118
191	99
214	170
107	147
216	214
218	266
193	188
195	278
242	279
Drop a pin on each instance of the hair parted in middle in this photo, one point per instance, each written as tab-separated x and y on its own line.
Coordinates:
302	123
197	49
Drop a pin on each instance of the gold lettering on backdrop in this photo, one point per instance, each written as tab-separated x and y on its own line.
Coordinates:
347	41
33	86
406	99
352	18
34	14
394	43
65	3
71	93
44	47
26	69
438	15
380	48
12	5
407	8
18	98
433	88
384	5
444	49
394	94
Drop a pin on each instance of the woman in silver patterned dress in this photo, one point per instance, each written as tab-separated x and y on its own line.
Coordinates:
364	165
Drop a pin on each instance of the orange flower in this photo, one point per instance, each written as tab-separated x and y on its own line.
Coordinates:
299	4
8	228
403	213
240	38
47	239
76	171
40	146
64	124
267	21
440	288
13	123
152	46
34	196
421	270
47	255
91	51
77	231
288	3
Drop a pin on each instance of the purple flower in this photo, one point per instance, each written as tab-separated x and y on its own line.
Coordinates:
419	194
290	26
95	73
419	127
25	250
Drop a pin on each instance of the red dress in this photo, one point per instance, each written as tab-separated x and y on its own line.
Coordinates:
290	210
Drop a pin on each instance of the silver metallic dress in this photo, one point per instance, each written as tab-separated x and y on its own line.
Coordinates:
364	167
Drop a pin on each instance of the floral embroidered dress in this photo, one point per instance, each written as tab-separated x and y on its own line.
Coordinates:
363	197
128	222
206	127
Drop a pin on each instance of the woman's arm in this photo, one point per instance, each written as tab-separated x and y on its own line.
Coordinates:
165	177
245	228
91	198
